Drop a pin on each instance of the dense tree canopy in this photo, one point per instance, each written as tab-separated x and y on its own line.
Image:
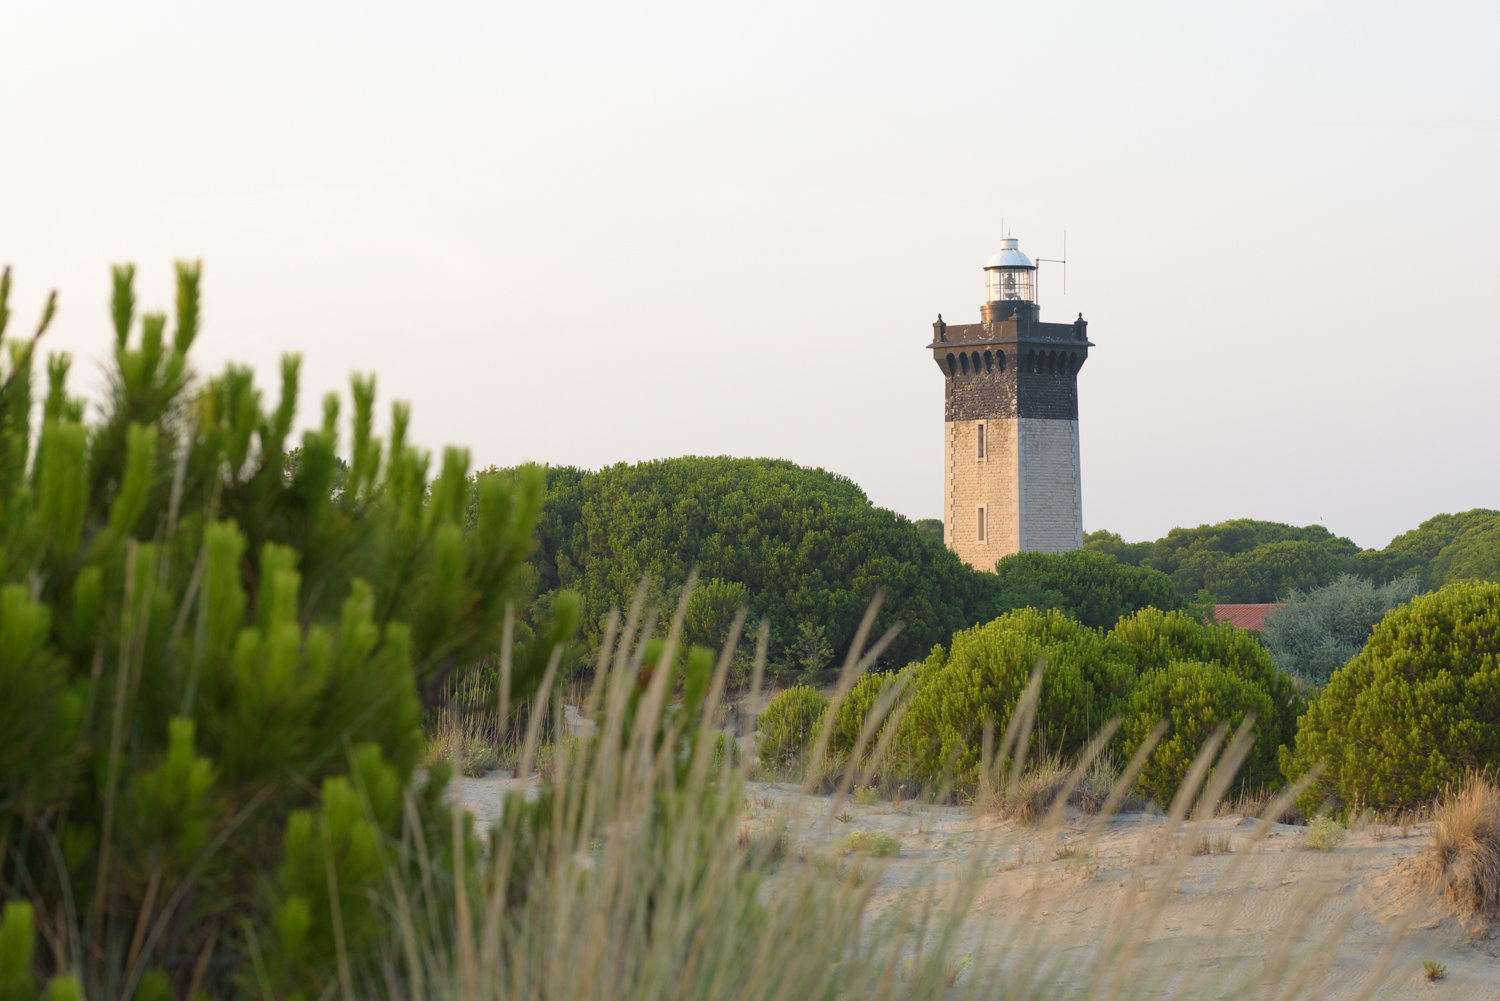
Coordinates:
1260	561
1093	588
804	547
805	550
1452	547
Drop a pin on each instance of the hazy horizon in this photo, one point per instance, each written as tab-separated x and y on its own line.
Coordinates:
595	234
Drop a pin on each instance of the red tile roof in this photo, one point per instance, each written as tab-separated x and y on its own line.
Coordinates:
1244	616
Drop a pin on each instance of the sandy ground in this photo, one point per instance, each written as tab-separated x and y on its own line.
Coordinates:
1173	923
1168	912
1343	922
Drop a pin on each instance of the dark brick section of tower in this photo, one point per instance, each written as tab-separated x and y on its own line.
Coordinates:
1011	364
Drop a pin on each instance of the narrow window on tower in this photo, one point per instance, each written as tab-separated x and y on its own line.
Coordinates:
979	511
979	437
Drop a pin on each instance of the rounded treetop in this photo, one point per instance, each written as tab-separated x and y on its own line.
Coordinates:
1010	256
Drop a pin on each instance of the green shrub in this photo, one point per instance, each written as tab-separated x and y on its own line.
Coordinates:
1324	834
1411	712
1315	633
212	663
880	844
1155	639
940	737
1094	588
854	710
1194	699
722	742
787	728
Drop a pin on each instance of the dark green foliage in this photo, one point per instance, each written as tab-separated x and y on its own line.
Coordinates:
1246	560
855	709
1266	571
212	660
787	728
806	546
940	737
1155	640
1474	553
17	947
1111	544
711	609
1417	708
1094	588
931	529
1193	699
1316	632
1423	545
1259	561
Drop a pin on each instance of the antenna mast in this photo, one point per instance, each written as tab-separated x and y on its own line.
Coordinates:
1054	260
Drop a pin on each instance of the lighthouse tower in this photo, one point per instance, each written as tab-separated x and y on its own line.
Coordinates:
1011	480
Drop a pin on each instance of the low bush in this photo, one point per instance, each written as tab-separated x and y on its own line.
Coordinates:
1414	711
786	729
1194	699
1324	833
980	682
854	711
1155	639
879	844
725	742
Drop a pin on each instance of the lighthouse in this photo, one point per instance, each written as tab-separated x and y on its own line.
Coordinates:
1011	478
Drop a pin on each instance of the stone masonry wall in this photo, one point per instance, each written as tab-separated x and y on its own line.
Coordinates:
1051	502
970	482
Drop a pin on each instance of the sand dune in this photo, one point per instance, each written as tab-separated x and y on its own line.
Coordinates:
1135	907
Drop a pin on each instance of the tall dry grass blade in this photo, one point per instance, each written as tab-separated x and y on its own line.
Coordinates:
1018	731
336	913
538	713
883	720
856	662
721	665
984	794
758	668
507	645
1079	772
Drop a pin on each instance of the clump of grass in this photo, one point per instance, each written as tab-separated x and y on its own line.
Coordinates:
1433	970
1324	834
1463	864
479	759
1220	845
1035	792
877	844
465	729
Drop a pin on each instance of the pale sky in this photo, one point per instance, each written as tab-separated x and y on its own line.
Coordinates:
586	233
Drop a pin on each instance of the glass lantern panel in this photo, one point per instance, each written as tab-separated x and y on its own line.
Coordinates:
1005	283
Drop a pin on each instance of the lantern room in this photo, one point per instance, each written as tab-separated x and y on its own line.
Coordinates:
1010	275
